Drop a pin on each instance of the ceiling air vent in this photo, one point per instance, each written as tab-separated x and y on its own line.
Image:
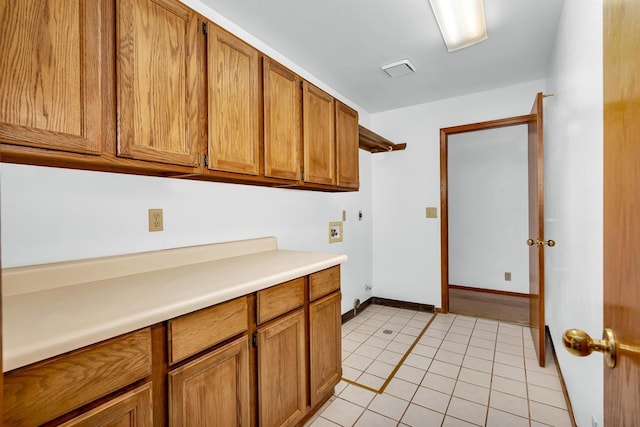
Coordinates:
399	68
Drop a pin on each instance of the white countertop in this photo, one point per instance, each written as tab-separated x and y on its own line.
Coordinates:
44	323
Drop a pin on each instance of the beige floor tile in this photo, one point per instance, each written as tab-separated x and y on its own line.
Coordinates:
348	345
454	337
357	361
477	364
418	416
404	338
547	396
549	415
475	377
449	357
549	369
411	374
454	346
444	369
367	350
480	353
482	343
340	386
467	411
438	382
377	342
358	395
510	372
485	335
418	361
371	419
509	359
509	348
350	373
365	328
390	357
342	412
461	330
401	388
430	341
371	381
498	418
455	422
431	399
481	325
380	369
389	406
322	422
398	347
411	331
424	350
505	385
543	380
509	403
472	392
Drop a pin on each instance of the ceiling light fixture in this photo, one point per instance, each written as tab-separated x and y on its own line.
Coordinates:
399	68
461	22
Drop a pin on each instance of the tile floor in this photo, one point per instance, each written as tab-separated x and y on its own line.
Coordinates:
463	371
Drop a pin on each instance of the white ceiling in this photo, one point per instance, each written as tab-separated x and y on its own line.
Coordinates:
345	42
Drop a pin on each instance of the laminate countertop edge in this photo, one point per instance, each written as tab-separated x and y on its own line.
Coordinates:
43	324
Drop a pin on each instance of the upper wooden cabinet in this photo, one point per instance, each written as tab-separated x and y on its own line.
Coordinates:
50	87
282	121
233	103
347	146
157	81
318	136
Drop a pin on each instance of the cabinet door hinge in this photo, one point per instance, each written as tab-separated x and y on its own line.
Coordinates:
206	160
302	176
254	339
204	28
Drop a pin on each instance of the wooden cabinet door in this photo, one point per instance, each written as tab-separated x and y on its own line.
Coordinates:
282	121
325	346
282	371
234	103
50	91
132	409
318	136
347	143
213	390
157	81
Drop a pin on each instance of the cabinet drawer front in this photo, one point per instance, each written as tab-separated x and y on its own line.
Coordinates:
324	282
280	299
192	333
43	391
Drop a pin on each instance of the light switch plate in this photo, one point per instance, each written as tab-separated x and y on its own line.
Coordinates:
432	212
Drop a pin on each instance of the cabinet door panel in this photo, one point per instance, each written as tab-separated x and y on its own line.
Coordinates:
50	91
213	390
234	103
157	81
318	136
133	409
282	371
282	121
325	348
347	146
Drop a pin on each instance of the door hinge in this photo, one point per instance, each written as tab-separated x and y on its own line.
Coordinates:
302	176
204	28
254	339
206	160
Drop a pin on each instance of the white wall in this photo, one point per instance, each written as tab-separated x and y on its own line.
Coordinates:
573	198
51	215
406	254
488	209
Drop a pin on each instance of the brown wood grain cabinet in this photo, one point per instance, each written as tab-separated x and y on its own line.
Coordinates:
212	390
282	121
132	409
282	371
347	146
233	103
157	81
318	136
50	89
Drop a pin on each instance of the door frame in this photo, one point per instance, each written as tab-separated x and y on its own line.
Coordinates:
444	191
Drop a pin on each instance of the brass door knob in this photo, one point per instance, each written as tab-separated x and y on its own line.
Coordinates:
579	343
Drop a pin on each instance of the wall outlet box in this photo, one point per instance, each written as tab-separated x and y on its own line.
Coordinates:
335	232
507	276
432	212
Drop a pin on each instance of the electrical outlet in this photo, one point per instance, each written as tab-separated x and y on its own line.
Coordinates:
507	276
344	215
432	212
335	232
155	219
360	216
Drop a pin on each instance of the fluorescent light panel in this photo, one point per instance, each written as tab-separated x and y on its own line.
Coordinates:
461	22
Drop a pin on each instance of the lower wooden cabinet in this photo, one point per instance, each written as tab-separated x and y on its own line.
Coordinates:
132	409
212	390
325	346
279	349
282	371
